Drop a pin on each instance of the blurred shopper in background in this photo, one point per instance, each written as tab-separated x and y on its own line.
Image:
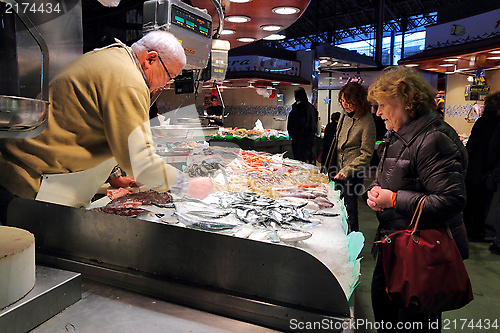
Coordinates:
478	194
492	179
380	130
329	136
302	127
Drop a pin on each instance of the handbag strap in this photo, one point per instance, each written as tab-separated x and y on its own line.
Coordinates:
333	146
416	215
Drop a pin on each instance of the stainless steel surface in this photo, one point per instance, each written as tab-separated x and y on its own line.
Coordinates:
20	113
37	37
54	291
25	116
62	32
242	278
104	308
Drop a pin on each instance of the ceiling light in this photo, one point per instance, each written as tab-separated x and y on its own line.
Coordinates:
449	72
411	65
227	32
246	39
346	65
271	27
431	69
274	37
275	82
237	18
451	59
295	84
495	52
286	10
493	58
323	61
239	1
446	65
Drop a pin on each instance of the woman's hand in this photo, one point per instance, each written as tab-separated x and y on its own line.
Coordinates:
340	176
379	198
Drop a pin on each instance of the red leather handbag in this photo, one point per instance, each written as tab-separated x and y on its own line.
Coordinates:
424	270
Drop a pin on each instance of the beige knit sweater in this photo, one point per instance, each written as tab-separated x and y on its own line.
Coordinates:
96	102
356	143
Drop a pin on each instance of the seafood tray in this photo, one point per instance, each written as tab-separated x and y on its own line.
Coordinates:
259	282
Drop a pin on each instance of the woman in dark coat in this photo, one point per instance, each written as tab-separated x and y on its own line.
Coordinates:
422	156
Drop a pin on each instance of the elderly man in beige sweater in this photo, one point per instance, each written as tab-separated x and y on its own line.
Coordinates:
98	117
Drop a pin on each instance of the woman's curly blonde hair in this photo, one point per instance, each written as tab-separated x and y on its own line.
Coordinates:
407	85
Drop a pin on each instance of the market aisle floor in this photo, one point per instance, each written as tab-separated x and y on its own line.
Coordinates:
483	268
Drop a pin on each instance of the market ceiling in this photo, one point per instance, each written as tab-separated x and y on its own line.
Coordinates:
318	21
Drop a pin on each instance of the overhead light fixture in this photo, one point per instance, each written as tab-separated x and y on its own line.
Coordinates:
495	52
227	32
346	65
431	69
493	58
446	65
271	27
246	39
323	61
295	84
237	18
275	82
274	37
449	72
285	10
239	1
451	59
411	65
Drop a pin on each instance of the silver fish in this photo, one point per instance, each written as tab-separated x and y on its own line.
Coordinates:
209	214
202	224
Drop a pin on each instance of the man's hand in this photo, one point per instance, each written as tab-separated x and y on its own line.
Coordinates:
124	182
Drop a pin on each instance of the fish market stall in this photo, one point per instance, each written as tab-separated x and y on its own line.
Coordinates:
259	253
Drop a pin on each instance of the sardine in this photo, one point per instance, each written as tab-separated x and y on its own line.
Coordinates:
202	224
209	214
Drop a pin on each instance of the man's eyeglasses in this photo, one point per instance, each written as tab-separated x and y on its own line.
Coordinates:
170	78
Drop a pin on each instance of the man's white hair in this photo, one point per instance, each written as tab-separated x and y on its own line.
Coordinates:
166	44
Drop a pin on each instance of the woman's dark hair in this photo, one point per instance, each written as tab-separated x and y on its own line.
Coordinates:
356	95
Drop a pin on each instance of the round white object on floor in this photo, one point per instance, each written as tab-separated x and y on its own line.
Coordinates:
17	264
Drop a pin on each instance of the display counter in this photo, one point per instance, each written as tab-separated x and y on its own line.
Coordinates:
258	282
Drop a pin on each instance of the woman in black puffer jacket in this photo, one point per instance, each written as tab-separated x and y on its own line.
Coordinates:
422	156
